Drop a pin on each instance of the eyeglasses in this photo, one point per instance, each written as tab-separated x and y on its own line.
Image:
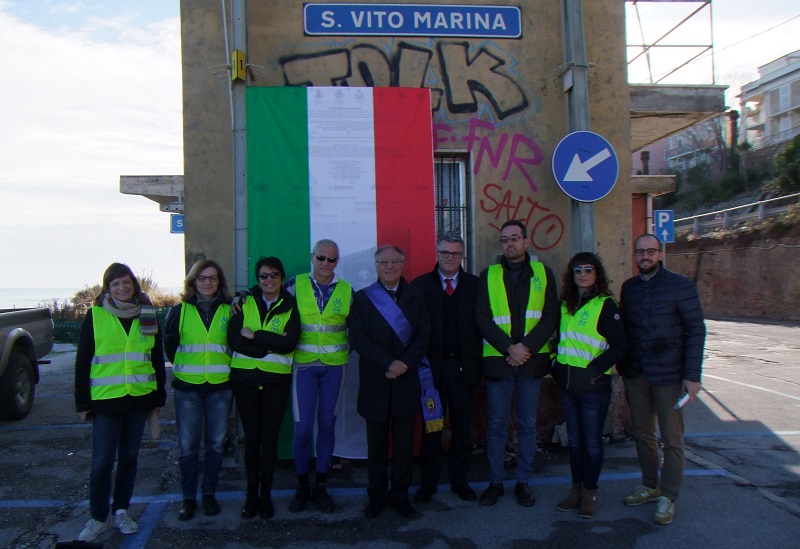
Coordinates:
447	255
588	269
204	279
273	276
386	262
323	258
512	239
648	251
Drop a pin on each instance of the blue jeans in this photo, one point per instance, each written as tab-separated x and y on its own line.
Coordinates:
114	438
499	395
585	414
315	393
191	408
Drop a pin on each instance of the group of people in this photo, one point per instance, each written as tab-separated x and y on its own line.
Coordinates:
423	346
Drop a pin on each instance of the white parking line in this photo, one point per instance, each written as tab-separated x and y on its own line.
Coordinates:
753	386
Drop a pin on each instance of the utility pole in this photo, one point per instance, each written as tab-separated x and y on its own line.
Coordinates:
576	90
238	100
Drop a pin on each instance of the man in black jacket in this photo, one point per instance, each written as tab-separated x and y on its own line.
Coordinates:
666	334
454	354
517	311
389	389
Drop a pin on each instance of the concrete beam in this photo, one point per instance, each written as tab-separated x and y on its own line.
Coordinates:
167	190
653	185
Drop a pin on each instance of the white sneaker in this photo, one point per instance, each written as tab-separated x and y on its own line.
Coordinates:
92	529
124	522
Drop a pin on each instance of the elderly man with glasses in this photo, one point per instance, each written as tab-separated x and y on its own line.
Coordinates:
454	354
517	312
323	301
666	334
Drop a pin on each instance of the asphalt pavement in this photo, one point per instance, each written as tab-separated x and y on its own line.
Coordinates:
741	489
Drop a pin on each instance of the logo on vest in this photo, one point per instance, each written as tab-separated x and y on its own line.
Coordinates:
537	283
276	324
336	305
224	323
583	318
142	338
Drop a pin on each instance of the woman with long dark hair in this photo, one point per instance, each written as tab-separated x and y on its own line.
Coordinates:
119	380
591	341
196	342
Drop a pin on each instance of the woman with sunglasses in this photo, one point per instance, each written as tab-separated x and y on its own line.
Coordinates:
196	342
591	340
263	337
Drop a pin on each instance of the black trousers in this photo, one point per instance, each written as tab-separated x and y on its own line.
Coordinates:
457	397
261	412
402	435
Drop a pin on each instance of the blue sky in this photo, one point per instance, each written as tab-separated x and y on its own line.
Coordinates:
91	90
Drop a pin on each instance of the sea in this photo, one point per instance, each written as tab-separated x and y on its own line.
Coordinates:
24	298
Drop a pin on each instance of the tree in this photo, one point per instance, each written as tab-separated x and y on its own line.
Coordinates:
787	166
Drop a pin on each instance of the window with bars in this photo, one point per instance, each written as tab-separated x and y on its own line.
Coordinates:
451	176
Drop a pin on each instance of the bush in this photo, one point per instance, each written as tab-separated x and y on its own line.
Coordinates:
787	166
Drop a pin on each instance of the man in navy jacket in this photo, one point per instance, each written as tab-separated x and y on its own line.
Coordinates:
666	334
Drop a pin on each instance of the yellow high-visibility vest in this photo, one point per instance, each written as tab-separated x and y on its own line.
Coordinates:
579	341
323	336
272	362
203	355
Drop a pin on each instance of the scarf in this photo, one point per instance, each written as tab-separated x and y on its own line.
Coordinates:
141	307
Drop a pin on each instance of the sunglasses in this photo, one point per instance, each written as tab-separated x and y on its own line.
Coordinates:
588	269
265	276
323	258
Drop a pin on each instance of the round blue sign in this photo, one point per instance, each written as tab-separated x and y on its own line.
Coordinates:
585	166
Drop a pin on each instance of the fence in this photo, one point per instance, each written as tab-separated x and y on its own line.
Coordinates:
730	217
69	331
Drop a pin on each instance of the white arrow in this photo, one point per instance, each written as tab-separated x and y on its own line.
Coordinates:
579	171
665	233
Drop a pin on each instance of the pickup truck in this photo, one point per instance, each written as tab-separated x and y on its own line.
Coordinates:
26	336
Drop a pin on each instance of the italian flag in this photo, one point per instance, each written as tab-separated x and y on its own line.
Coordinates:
354	165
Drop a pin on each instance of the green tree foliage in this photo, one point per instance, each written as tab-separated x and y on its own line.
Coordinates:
787	166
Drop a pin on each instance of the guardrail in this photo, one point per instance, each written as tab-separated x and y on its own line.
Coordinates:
730	217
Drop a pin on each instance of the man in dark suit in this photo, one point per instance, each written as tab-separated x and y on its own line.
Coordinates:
454	354
389	328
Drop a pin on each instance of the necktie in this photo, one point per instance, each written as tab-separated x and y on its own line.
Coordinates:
393	295
449	289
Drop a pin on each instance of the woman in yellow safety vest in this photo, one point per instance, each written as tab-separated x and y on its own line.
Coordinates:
196	342
591	341
119	380
263	337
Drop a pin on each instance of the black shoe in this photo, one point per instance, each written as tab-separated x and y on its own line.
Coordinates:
524	494
300	499
464	491
323	499
250	507
265	508
210	505
492	493
188	507
373	509
424	494
403	507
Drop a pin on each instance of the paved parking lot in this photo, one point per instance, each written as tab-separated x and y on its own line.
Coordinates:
742	487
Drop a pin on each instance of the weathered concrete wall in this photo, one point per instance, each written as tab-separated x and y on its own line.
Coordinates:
499	100
745	276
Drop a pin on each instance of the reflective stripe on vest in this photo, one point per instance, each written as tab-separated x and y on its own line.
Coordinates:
121	363
323	336
501	312
272	362
579	341
203	355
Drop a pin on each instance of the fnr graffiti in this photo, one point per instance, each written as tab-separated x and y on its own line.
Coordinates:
545	228
462	73
524	151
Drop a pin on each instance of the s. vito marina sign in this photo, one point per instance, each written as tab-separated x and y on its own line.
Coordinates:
411	20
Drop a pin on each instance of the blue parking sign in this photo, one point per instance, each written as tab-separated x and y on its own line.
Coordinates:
664	226
176	223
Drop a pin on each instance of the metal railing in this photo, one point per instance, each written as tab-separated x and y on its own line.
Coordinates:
729	217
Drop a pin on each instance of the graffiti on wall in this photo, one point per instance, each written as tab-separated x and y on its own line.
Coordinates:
544	227
463	74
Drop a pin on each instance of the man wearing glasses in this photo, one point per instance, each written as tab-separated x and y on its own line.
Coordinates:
454	354
323	301
389	328
517	311
666	334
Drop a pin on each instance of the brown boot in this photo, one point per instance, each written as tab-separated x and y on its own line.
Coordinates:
588	507
572	500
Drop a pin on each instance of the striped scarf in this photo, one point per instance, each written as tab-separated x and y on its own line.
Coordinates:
141	307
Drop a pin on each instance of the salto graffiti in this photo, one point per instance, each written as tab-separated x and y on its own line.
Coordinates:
463	73
547	228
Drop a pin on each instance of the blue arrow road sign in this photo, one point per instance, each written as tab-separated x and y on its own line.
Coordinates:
176	223
664	225
585	166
